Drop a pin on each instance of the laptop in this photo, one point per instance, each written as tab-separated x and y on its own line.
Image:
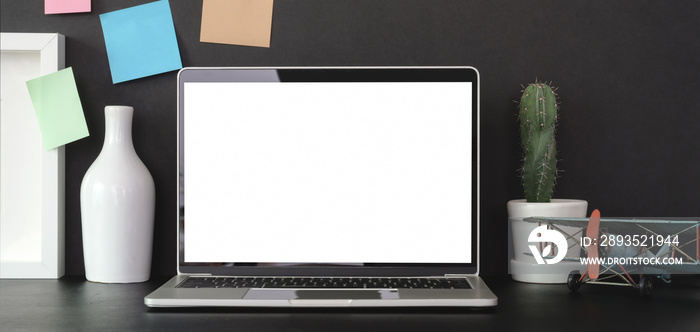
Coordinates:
333	186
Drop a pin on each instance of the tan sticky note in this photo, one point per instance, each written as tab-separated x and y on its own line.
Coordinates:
237	22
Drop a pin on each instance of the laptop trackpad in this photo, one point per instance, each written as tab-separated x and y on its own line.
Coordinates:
320	294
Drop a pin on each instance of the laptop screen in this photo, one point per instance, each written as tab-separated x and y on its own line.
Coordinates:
296	170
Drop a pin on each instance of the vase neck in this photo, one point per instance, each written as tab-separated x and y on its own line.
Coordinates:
118	126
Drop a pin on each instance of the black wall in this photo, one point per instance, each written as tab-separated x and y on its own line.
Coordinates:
628	74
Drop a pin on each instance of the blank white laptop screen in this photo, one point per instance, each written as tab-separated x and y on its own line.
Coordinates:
343	173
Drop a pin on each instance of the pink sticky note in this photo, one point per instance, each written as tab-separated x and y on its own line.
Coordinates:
66	6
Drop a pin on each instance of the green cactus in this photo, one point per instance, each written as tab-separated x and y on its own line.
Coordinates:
538	119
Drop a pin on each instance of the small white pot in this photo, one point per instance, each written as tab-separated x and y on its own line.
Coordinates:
523	266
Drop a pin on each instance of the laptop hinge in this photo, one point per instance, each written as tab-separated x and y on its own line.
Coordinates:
456	275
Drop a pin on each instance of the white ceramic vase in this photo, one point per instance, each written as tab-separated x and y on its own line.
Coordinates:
117	201
523	266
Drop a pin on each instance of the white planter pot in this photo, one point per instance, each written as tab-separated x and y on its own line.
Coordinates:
523	266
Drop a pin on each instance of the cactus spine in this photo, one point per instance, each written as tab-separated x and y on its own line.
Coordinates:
538	119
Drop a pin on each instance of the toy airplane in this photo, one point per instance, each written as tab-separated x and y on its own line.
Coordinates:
618	249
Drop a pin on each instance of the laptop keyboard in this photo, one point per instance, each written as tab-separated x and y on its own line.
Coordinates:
324	282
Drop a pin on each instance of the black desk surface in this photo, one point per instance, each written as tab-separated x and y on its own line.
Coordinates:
73	304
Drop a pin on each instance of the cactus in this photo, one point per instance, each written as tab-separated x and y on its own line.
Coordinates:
538	119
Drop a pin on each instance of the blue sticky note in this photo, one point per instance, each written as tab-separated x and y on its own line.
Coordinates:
141	41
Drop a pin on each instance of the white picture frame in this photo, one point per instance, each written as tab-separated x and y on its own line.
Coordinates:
32	179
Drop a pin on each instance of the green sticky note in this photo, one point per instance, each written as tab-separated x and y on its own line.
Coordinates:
58	108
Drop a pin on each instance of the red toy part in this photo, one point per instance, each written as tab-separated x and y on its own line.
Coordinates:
592	249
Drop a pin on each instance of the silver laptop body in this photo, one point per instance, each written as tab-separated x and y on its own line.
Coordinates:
333	186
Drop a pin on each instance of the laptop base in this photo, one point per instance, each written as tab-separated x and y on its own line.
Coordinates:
168	295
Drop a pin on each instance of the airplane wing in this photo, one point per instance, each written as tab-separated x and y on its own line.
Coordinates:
626	225
688	247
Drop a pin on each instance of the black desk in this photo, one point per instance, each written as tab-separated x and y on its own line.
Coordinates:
73	304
